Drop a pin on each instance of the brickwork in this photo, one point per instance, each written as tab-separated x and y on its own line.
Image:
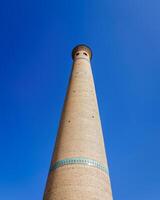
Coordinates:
79	136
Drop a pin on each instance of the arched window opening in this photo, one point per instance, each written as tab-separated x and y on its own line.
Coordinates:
77	54
84	53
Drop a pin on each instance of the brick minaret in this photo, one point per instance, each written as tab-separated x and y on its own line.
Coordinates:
79	169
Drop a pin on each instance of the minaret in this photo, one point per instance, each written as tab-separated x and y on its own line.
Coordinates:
79	169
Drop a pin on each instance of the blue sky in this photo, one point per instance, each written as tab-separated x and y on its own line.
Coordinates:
36	39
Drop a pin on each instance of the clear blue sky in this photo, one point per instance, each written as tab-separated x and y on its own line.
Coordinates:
36	39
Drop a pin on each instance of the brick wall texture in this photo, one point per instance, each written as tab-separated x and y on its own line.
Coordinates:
79	136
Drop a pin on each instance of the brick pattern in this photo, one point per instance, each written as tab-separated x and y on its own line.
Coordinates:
78	183
79	135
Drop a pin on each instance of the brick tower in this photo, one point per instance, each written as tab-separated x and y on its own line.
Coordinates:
79	169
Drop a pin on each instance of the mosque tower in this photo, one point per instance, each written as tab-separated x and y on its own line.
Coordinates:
79	169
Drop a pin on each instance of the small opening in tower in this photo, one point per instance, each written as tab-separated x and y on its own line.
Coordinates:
69	121
92	116
77	54
84	53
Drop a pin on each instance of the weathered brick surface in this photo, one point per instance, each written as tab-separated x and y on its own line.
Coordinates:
79	135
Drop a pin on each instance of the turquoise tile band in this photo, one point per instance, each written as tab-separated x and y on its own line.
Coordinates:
80	161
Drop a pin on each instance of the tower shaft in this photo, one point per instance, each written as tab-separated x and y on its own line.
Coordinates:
79	167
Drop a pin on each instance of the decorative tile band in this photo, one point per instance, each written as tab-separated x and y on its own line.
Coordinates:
80	161
82	58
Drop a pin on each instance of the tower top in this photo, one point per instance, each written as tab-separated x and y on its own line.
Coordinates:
81	47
